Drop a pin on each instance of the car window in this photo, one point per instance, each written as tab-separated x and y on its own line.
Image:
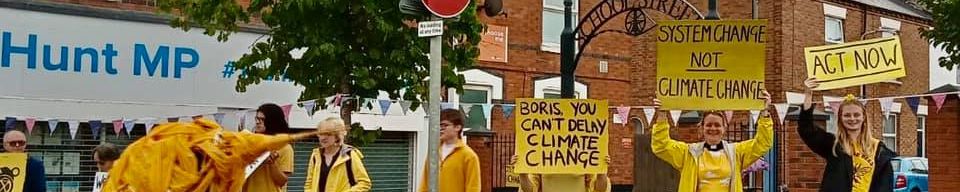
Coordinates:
918	164
896	165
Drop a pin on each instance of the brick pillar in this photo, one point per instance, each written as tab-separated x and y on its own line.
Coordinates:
943	137
479	142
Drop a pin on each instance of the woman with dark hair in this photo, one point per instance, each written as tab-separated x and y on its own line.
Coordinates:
272	174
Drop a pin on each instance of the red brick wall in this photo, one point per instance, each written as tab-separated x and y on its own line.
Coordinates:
943	131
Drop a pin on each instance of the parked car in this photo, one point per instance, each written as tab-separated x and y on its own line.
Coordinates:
910	174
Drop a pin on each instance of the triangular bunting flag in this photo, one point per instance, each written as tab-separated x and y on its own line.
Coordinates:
834	105
241	119
309	105
338	100
649	112
95	126
117	126
405	105
795	98
864	102
446	105
173	119
385	106
507	111
149	125
52	125
129	124
466	108
886	104
754	114
624	112
30	123
286	110
487	108
72	126
675	115
828	100
729	115
938	100
913	102
782	109
368	102
10	123
218	117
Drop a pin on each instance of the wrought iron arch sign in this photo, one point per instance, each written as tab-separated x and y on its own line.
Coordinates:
637	21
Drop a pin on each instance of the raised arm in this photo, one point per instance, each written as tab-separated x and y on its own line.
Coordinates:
816	138
663	146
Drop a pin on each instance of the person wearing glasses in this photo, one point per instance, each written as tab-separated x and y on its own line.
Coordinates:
459	164
36	179
273	173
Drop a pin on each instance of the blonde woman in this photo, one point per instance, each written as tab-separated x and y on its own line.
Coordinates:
335	166
856	162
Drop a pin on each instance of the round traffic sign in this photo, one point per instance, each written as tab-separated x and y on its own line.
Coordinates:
446	8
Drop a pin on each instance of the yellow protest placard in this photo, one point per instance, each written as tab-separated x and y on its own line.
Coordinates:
565	136
711	65
855	63
513	179
13	171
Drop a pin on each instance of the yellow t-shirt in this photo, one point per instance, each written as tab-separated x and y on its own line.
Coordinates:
863	168
714	172
260	180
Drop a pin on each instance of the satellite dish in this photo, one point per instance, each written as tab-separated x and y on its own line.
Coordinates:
493	7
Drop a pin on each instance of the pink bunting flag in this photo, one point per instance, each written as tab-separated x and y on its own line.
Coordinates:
835	106
30	123
729	115
337	100
938	100
117	126
286	111
624	112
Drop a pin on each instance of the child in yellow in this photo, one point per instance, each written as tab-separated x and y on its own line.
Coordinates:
713	165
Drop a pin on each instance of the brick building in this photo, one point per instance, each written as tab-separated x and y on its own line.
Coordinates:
621	69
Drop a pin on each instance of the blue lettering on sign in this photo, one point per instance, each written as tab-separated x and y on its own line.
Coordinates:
142	58
48	62
180	63
30	50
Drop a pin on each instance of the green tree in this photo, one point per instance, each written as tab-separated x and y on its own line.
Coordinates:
946	29
354	47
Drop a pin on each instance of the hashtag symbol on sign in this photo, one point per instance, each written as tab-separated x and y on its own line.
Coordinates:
228	70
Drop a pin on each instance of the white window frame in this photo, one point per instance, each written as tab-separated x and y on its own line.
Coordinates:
477	79
575	10
836	13
889	28
896	125
552	85
922	112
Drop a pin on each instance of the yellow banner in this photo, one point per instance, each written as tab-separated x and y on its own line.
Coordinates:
855	63
711	65
513	179
561	136
13	171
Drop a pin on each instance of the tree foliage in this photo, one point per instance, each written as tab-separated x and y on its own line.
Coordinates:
946	29
353	47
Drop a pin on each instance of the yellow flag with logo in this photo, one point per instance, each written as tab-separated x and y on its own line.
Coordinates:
13	171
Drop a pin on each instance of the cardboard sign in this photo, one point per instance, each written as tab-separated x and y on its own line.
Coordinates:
562	136
855	63
13	171
255	164
493	44
711	65
99	180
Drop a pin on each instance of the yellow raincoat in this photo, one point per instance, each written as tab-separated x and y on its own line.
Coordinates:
168	158
685	156
337	179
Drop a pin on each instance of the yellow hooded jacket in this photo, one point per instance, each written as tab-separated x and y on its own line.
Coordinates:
685	156
338	181
459	172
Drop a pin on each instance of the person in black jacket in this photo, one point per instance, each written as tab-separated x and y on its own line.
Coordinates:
856	161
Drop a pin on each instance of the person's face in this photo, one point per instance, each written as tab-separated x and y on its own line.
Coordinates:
261	127
102	165
15	142
328	140
851	117
449	131
713	129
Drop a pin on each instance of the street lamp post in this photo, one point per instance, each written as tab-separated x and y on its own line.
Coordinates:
567	64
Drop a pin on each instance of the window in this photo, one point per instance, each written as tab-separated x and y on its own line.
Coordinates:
833	31
481	87
889	27
473	94
921	136
890	131
833	23
553	23
550	88
919	165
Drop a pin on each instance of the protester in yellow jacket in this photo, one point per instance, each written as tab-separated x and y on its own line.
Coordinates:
459	165
713	165
335	166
